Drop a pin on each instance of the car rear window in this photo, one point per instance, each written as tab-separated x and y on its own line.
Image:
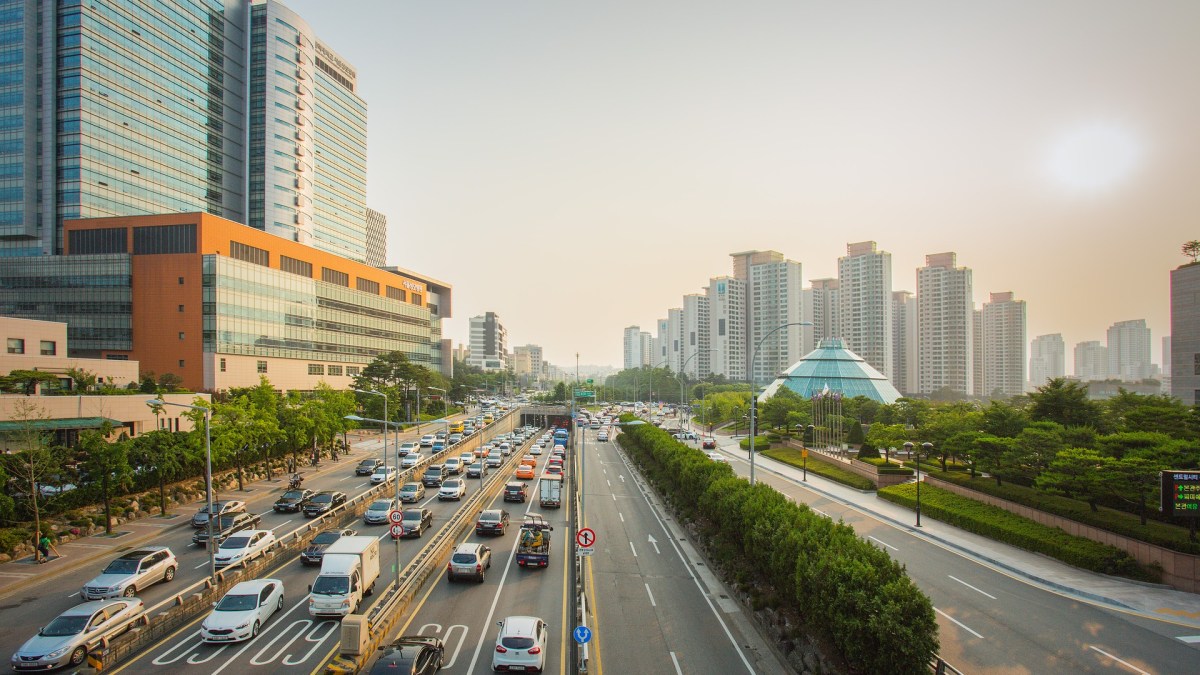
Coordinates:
517	642
464	558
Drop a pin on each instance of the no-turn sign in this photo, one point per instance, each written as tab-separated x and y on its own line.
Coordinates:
397	530
586	537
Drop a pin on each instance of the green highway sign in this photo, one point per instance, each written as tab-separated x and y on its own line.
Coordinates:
584	394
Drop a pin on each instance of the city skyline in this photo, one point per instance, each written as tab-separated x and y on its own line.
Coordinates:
632	148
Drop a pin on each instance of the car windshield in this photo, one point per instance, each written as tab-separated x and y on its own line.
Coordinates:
517	642
380	505
412	515
490	517
331	586
410	488
237	603
326	538
121	566
452	483
293	494
235	542
463	558
367	462
322	498
66	625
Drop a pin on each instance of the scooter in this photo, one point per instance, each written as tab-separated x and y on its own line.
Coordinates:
295	481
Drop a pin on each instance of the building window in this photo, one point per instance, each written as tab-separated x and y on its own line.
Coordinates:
181	335
367	286
181	308
352	371
250	254
335	370
316	369
180	281
222	365
720	326
16	346
335	277
180	363
262	366
397	294
293	266
1195	363
161	239
417	299
49	348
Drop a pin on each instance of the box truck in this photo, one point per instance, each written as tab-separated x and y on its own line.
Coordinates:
348	573
550	491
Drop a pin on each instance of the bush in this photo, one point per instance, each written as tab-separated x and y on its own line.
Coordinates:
868	452
996	523
824	469
760	443
12	537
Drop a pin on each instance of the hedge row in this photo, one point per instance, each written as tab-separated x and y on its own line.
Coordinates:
850	592
1119	522
761	443
822	468
996	523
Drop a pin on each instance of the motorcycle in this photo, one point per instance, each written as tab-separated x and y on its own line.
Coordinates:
295	481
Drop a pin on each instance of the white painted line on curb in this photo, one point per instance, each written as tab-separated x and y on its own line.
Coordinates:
622	516
970	586
1128	665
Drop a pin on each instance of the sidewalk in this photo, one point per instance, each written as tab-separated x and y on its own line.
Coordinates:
1150	600
23	573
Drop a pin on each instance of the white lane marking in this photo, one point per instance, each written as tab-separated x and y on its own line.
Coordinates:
359	487
250	642
1190	639
16	575
607	481
622	476
883	543
958	623
1126	664
652	603
970	586
282	524
676	662
819	511
346	478
74	594
622	516
614	496
654	543
631	548
203	564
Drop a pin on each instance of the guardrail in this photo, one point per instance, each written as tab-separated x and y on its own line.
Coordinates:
166	616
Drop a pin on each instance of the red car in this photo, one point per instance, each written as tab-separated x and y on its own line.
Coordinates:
709	443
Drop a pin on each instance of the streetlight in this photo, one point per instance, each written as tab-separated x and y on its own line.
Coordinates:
754	394
680	378
811	431
386	424
385	429
927	448
652	369
212	553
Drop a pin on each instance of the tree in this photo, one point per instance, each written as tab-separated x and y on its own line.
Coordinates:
109	461
1064	402
33	460
83	380
1134	480
561	393
992	453
1076	473
158	452
26	381
1192	248
888	436
1004	420
959	445
1040	447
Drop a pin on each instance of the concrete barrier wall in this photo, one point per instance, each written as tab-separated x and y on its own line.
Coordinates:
1179	570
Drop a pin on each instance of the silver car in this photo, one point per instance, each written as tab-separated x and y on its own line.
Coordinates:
132	572
220	508
71	635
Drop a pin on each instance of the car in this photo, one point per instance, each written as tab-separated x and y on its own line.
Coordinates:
495	459
602	435
220	508
717	457
525	471
454	438
685	436
439	445
410	655
427	441
506	448
521	644
242	612
416	521
453	466
292	500
537	449
492	521
68	638
441	435
554	470
466	458
455	488
377	512
477	469
323	502
383	474
131	572
243	547
554	461
708	443
315	551
412	492
410	460
514	491
529	459
407	447
226	525
434	475
469	560
367	467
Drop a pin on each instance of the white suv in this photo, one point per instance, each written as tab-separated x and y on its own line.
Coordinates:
521	643
427	440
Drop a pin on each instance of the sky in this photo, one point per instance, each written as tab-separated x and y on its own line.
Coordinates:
577	167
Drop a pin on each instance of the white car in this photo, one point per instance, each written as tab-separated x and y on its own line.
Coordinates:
407	447
495	459
717	457
244	546
520	644
132	572
505	448
536	449
454	488
383	474
71	635
453	466
427	440
602	435
410	460
242	612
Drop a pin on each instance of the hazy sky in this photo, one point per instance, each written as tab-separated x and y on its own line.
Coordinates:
577	167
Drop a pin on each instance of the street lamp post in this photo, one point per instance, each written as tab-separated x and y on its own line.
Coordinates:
754	393
811	430
212	553
926	448
385	427
386	424
680	378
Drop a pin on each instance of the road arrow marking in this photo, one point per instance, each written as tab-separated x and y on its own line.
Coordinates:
654	543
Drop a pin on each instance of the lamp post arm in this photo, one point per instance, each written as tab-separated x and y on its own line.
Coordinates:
754	394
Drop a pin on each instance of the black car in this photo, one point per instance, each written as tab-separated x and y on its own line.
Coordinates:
416	521
475	468
315	551
491	521
514	492
322	502
367	467
410	655
434	475
293	500
227	525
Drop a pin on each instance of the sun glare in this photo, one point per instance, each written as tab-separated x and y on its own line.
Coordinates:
1094	157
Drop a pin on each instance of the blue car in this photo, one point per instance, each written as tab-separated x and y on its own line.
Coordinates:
439	445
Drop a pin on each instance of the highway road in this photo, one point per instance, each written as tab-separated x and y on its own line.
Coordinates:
991	620
292	640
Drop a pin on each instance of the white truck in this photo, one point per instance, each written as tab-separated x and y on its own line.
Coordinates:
348	573
550	491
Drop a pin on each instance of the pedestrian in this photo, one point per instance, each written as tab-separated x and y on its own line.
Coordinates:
44	548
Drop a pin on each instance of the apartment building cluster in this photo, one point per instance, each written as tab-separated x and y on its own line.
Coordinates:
744	326
205	216
1124	356
488	350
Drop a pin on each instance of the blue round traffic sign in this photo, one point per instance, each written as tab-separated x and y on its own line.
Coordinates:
582	634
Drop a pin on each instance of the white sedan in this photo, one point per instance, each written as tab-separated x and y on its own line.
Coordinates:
536	449
717	457
242	612
455	488
383	474
244	547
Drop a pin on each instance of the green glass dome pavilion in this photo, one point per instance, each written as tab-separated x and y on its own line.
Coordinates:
833	369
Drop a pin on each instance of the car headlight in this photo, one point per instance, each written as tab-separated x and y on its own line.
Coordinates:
58	652
242	625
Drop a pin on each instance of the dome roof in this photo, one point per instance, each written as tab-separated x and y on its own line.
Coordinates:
834	369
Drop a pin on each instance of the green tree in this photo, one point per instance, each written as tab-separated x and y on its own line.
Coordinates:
960	445
158	452
1064	402
1040	447
1134	480
1004	420
34	459
855	436
1077	473
992	454
1191	249
83	380
774	411
888	436
108	462
27	381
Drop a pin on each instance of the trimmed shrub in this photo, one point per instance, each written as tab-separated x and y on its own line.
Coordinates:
760	443
868	452
818	466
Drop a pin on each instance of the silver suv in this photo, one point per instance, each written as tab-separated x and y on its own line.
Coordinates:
132	572
469	560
